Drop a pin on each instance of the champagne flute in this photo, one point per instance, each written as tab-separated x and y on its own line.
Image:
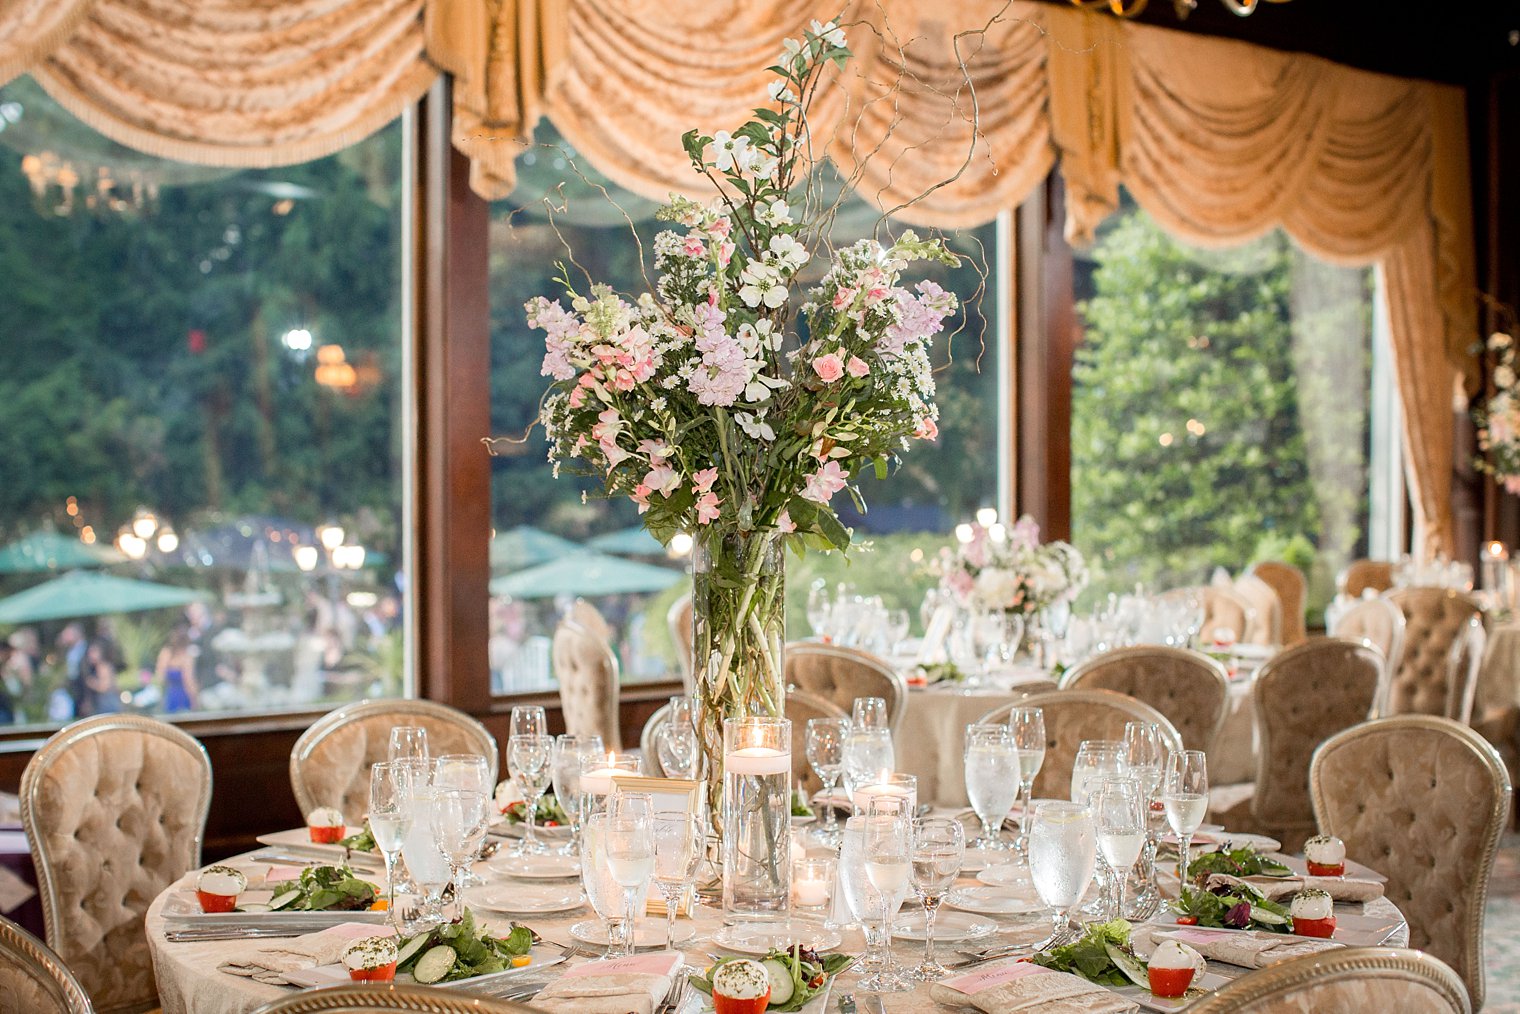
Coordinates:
869	713
1028	726
990	756
529	720
569	753
1144	753
678	841
939	848
1185	794
825	753
889	869
459	828
528	761
408	742
1119	813
630	851
390	818
1063	853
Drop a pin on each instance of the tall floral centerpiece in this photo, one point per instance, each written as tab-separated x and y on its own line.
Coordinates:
1498	418
729	403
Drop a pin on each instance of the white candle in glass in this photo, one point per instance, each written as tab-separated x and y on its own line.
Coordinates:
598	781
887	785
810	893
757	760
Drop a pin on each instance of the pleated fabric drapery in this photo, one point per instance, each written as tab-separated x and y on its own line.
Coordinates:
1218	140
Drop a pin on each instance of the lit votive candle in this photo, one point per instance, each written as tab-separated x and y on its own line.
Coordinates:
757	760
888	785
597	774
812	880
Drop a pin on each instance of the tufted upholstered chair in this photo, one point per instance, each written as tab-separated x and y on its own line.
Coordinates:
842	674
1265	620
1302	697
587	671
1380	623
1369	979
586	616
1443	647
1189	688
1363	576
800	707
329	764
359	999
114	808
1225	608
33	979
1422	800
1074	715
678	619
1292	590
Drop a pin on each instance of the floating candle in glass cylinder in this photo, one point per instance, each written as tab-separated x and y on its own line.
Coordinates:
888	785
597	773
757	830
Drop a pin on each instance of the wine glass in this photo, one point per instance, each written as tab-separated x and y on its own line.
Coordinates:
424	862
990	757
819	605
1144	754
1185	794
939	848
528	761
629	843
867	754
1063	853
1118	806
678	847
459	828
569	752
1096	759
825	753
390	817
1028	727
869	713
408	742
675	741
468	771
529	720
898	623
604	893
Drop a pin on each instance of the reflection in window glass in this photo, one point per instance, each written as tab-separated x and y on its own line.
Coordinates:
1220	410
539	519
199	426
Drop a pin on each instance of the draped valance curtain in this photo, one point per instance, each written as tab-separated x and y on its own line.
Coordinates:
1218	140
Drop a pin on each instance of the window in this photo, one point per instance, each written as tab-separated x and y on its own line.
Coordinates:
199	393
1228	406
538	519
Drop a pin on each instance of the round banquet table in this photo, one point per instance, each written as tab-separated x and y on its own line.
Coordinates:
189	981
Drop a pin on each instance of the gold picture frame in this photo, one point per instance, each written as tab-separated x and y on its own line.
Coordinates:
684	794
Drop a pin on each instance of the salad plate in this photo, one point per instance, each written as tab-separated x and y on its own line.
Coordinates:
992	901
949	927
528	899
1351	929
316	898
1208	841
800	979
1006	875
538	867
648	935
1106	955
297	841
760	939
1354	870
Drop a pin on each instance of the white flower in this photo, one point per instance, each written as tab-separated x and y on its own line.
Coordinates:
764	166
830	33
780	91
774	214
790	50
730	152
1504	376
789	253
761	283
754	428
1498	340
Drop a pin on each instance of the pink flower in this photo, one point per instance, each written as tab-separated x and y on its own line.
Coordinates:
703	481
927	429
824	483
843	297
857	367
694	247
707	508
640	496
725	253
720	227
1512	485
961	583
577	397
655	450
784	522
828	367
615	454
662	479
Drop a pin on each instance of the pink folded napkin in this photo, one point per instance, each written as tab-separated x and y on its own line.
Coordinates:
1280	888
633	985
270	964
1019	986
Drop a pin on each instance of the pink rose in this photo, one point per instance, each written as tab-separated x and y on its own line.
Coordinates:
843	298
927	429
707	508
857	367
828	367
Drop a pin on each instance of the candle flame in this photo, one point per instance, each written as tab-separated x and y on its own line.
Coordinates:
884	777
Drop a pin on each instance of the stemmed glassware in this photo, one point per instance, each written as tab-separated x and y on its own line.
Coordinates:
459	828
1145	755
408	742
570	751
678	849
424	862
1185	794
1063	852
869	713
1028	728
630	848
675	742
390	817
874	874
470	772
990	756
528	720
825	753
939	849
528	761
1118	810
1096	759
604	893
867	753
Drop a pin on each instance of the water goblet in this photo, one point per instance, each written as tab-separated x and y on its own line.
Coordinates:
678	849
629	844
1063	853
675	741
869	713
825	754
425	864
1185	794
604	893
459	827
408	742
390	818
1028	727
528	762
528	720
570	751
990	756
939	848
467	771
868	754
1096	759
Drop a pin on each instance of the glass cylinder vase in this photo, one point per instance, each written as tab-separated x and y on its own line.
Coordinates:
757	822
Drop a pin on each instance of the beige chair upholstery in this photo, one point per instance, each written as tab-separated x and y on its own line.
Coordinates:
1443	648
33	979
358	999
1302	697
586	616
1224	608
1287	581
329	764
1189	688
1380	623
1074	715
1264	621
800	707
842	674
587	671
114	809
1423	800
1363	576
679	620
1386	980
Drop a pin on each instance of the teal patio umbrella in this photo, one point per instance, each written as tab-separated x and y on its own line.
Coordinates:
526	546
635	541
86	593
586	574
44	551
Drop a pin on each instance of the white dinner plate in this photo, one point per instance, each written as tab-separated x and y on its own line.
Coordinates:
948	927
762	938
527	899
1007	875
1212	840
331	975
1354	870
506	829
537	867
648	935
976	860
993	901
799	821
297	842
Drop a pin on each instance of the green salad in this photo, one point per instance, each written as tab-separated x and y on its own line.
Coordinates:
364	841
548	812
1241	862
797	975
462	950
1230	906
800	807
326	889
1102	955
941	672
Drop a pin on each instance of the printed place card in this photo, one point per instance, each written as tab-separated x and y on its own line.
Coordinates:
658	963
1198	936
990	978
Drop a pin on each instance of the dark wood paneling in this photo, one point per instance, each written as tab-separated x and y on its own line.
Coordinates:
1047	341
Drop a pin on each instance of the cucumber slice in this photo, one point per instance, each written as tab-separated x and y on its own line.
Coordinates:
283	899
412	950
1261	915
255	907
1132	967
782	986
435	964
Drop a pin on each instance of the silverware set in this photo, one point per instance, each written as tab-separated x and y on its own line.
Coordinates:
200	935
